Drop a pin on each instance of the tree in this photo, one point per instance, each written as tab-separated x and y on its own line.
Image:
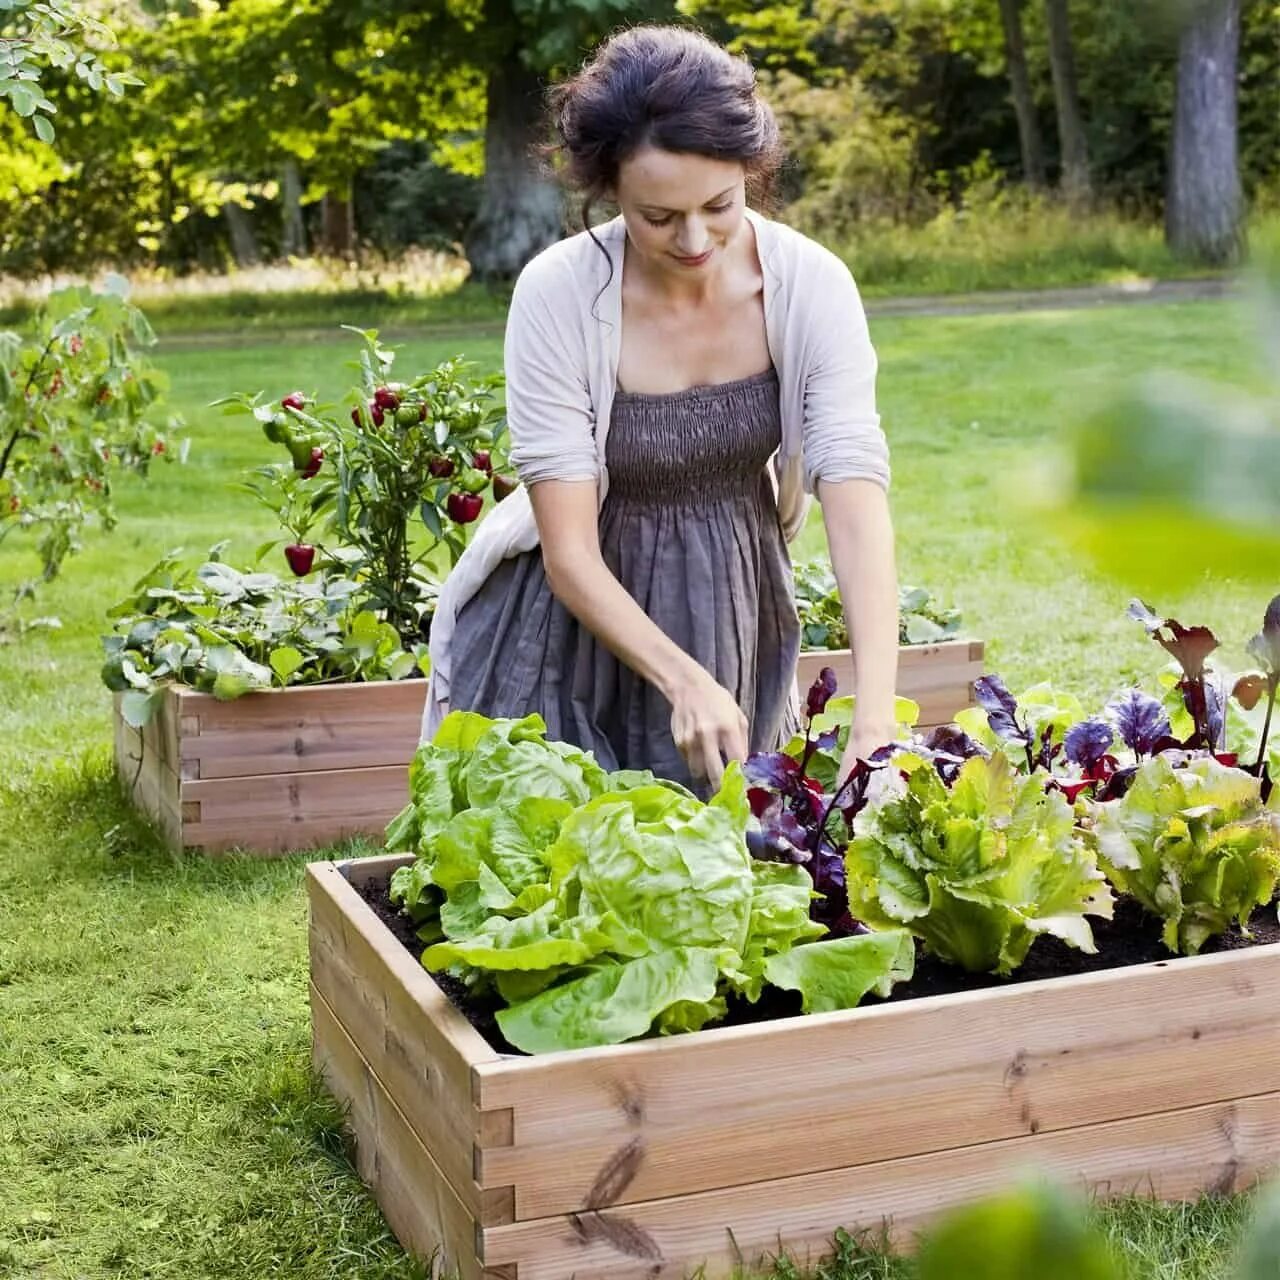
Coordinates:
1204	211
1076	183
51	33
520	47
1024	105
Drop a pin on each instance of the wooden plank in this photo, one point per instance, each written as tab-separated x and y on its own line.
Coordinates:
299	808
667	1117
411	1189
420	1047
311	728
153	787
938	677
344	700
1175	1155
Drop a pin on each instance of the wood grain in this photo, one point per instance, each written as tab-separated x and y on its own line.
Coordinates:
1175	1155
693	1113
421	1049
412	1190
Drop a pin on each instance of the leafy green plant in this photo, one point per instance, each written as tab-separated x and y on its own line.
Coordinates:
977	869
601	907
76	406
920	619
38	32
226	632
391	481
1194	844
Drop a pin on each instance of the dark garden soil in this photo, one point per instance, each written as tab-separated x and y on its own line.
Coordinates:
1132	937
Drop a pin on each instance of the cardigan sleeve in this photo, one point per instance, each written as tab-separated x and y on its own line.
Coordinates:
549	411
842	435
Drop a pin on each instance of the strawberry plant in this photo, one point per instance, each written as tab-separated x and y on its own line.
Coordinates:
226	633
77	407
390	484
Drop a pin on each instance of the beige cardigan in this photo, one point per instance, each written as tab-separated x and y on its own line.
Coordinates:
563	338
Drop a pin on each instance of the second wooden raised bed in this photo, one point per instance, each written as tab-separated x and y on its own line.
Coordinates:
289	769
653	1158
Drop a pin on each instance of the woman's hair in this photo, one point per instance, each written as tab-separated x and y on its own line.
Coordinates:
666	87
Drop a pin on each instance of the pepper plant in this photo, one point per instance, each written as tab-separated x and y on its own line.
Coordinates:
392	481
78	406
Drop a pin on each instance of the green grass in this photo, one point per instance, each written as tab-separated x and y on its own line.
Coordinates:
156	1114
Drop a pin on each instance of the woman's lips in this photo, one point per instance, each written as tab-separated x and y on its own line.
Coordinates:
693	262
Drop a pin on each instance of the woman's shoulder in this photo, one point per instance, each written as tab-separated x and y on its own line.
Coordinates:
798	258
576	260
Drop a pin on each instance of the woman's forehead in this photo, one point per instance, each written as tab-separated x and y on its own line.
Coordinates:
676	180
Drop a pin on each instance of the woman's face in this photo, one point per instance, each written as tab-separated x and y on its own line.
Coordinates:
680	210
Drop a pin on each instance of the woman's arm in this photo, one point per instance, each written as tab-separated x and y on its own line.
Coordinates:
706	721
860	536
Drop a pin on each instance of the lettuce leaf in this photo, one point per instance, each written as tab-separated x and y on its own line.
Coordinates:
615	1001
836	974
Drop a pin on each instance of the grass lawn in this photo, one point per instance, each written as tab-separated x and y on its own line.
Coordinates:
156	1114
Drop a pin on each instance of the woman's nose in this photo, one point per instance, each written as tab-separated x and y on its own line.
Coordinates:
692	240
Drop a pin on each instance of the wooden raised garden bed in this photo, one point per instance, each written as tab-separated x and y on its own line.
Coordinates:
651	1158
937	676
274	771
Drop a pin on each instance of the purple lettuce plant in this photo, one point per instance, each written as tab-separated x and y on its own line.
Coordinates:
798	821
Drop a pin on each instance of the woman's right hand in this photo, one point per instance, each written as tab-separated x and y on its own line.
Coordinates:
708	726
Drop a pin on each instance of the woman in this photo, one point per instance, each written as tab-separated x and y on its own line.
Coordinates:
677	379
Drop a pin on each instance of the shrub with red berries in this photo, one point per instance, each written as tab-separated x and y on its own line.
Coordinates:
78	405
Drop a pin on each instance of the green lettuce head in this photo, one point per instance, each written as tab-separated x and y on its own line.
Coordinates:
977	870
1195	845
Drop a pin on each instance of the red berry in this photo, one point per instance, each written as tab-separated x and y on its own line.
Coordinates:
355	416
482	460
294	400
385	398
300	556
376	413
158	447
463	508
422	412
317	457
504	486
440	467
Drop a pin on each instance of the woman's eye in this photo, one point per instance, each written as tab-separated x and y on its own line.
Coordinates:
657	222
720	208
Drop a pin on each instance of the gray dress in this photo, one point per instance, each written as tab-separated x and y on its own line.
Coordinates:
690	528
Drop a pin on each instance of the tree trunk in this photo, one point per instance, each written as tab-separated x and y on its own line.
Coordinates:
1205	208
293	238
1076	184
1024	105
338	223
244	244
520	211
